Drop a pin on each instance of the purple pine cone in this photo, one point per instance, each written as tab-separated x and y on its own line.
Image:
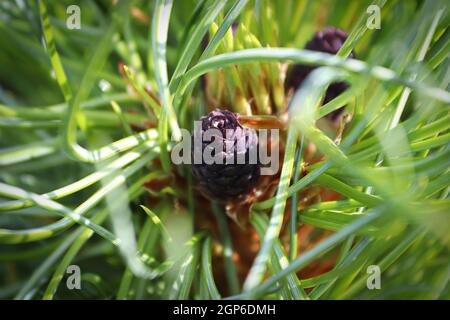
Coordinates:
330	41
221	181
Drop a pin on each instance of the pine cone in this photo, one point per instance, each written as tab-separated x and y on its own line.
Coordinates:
225	182
329	41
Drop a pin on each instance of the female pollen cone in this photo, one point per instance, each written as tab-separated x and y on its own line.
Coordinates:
234	173
330	40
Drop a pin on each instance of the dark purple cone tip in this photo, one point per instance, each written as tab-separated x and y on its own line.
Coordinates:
329	41
227	182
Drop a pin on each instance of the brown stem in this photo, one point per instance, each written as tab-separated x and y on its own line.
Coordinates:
262	122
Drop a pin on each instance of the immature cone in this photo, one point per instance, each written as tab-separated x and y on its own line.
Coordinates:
330	41
221	181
